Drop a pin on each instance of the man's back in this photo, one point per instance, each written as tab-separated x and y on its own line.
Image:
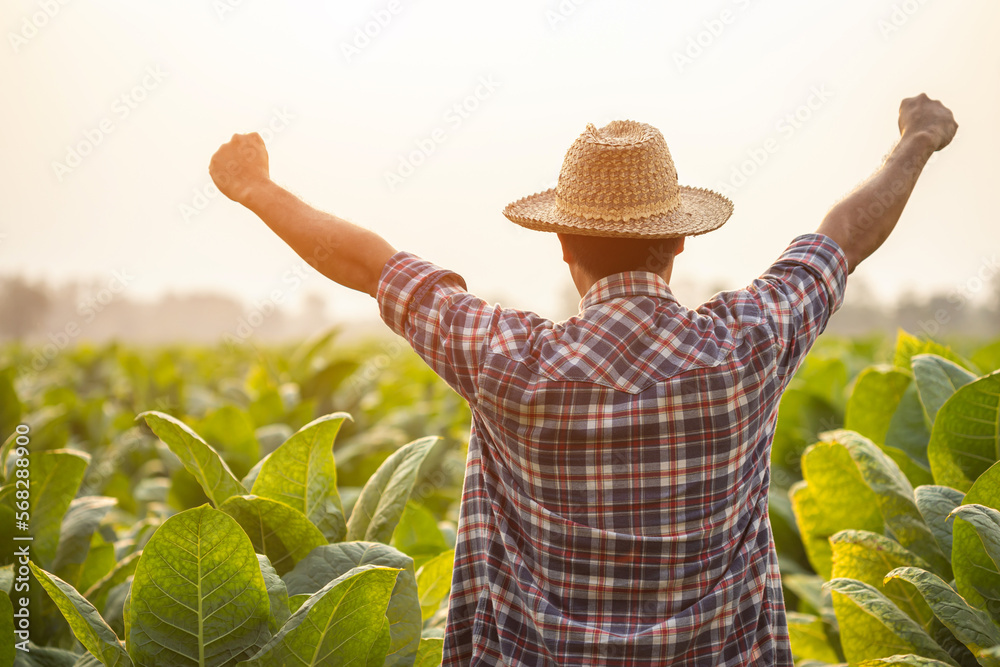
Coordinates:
614	509
615	501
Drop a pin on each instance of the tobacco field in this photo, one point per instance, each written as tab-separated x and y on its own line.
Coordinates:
297	505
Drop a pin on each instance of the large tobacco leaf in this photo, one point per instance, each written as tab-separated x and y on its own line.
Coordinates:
85	621
199	458
976	575
281	533
198	596
343	623
56	476
871	626
384	496
334	560
302	474
965	440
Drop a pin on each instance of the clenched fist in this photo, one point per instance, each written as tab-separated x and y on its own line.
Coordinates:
921	114
239	166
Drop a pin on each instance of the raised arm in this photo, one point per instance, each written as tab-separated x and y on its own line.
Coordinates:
340	250
863	220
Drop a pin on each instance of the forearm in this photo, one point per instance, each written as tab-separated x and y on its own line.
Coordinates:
340	250
863	220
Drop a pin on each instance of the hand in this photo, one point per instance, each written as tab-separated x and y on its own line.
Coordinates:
921	114
239	166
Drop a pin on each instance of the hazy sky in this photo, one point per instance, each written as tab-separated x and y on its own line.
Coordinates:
114	109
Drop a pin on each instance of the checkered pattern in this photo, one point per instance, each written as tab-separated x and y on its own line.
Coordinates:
615	501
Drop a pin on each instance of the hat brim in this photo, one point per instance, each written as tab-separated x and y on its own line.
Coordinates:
699	212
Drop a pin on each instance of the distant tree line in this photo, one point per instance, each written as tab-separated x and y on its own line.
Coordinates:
37	312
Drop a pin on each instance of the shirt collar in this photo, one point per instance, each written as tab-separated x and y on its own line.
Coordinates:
626	285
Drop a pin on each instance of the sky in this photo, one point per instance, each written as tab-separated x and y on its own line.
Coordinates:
422	119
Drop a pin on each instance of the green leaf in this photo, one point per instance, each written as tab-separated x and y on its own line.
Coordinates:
430	652
343	621
808	588
908	431
988	356
100	561
251	477
970	626
277	593
281	533
44	656
909	346
868	557
55	478
832	498
434	582
975	573
384	496
302	474
871	626
965	440
895	498
6	578
6	629
10	406
825	378
198	596
198	457
875	397
85	621
78	525
232	431
326	381
809	638
125	568
295	601
935	504
417	533
919	474
976	554
937	379
334	560
802	416
909	659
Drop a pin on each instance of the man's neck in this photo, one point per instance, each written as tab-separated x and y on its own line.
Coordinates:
584	281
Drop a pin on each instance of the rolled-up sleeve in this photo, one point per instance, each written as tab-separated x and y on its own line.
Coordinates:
799	293
432	309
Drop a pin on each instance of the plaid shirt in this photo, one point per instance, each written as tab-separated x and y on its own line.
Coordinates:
614	510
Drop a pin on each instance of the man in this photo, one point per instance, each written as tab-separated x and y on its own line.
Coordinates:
615	502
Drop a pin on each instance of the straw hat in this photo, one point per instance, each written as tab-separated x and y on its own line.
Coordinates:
620	181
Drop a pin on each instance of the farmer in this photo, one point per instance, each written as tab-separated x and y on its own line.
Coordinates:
614	510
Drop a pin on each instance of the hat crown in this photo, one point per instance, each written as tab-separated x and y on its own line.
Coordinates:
622	171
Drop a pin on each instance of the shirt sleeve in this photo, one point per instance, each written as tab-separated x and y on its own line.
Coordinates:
799	293
431	308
